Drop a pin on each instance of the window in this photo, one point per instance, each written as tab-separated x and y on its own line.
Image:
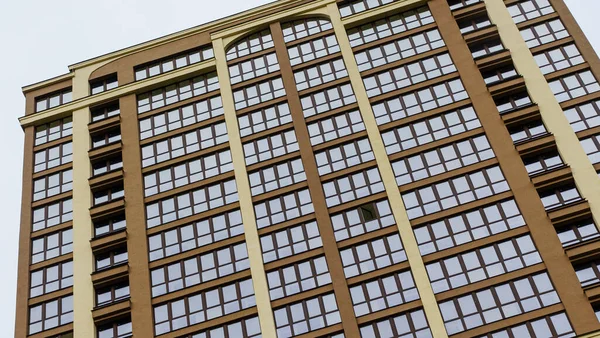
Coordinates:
298	277
195	235
387	26
181	117
270	147
588	274
264	119
591	146
207	305
328	99
51	314
104	166
529	10
363	219
188	172
246	328
483	263
472	24
574	86
53	100
106	111
560	197
500	74
442	160
191	203
557	325
335	127
512	102
543	163
313	49
577	233
50	279
177	92
119	329
344	156
111	259
468	226
253	68
112	294
52	185
109	225
51	246
174	62
283	208
251	44
302	28
291	241
543	33
109	137
102	85
488	47
52	214
258	93
277	176
319	74
54	130
306	316
527	132
399	49
559	58
456	4
419	101
353	187
383	292
585	116
199	269
407	325
498	302
430	130
53	157
183	144
372	255
454	192
109	195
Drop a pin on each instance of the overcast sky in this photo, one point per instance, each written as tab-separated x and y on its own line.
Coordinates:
41	38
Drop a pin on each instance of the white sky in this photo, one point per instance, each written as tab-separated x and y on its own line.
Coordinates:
43	37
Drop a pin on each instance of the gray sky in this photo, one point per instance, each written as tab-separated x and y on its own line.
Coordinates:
43	37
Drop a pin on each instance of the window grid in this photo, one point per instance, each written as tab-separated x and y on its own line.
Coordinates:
299	29
264	119
50	279
53	100
363	219
585	116
290	241
110	225
560	197
283	208
488	47
588	274
253	68
513	102
258	93
390	25
52	214
51	314
527	132
558	59
328	99
456	4
53	130
529	10
104	166
276	177
111	259
270	147
543	33
108	83
557	325
591	146
353	187
120	329
246	328
298	277
344	156
53	157
313	49
500	74
372	255
112	294
108	195
105	111
574	86
306	316
251	44
106	138
52	185
319	74
543	163
407	325
174	62
51	246
335	127
577	233
469	25
384	292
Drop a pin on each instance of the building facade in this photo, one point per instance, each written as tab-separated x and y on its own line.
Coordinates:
320	168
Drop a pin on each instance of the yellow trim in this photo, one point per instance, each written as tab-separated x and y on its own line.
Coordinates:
257	269
591	335
570	149
409	241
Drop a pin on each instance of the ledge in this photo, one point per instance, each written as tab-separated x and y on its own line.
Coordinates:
106	180
111	311
112	275
107	209
109	241
107	150
553	177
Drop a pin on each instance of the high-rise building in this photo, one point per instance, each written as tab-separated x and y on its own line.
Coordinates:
320	168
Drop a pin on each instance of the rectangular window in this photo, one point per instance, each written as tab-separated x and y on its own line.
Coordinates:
529	10
51	314
50	279
299	29
270	147
512	102
191	203
105	111
544	33
246	328
298	277
109	195
290	241
102	85
112	294
253	68
319	74
591	146
283	208
195	235
419	101
181	117
408	75
180	91
557	325
560	197
251	44
442	160
577	233
488	47
52	214
276	177
307	316
52	185
372	255
399	49
183	144
530	131
111	259
558	59
199	269
174	62
542	163
407	325
363	219
585	116
53	157
188	172
454	192
335	127
328	99
430	130
588	274
53	130
387	26
498	302
313	49
104	166
109	225
203	306
51	246
105	138
574	86
119	329
264	119
383	292
472	24
353	187
53	100
457	4
344	156
500	74
258	93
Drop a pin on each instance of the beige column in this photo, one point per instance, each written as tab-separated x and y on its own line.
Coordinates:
385	168
257	269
